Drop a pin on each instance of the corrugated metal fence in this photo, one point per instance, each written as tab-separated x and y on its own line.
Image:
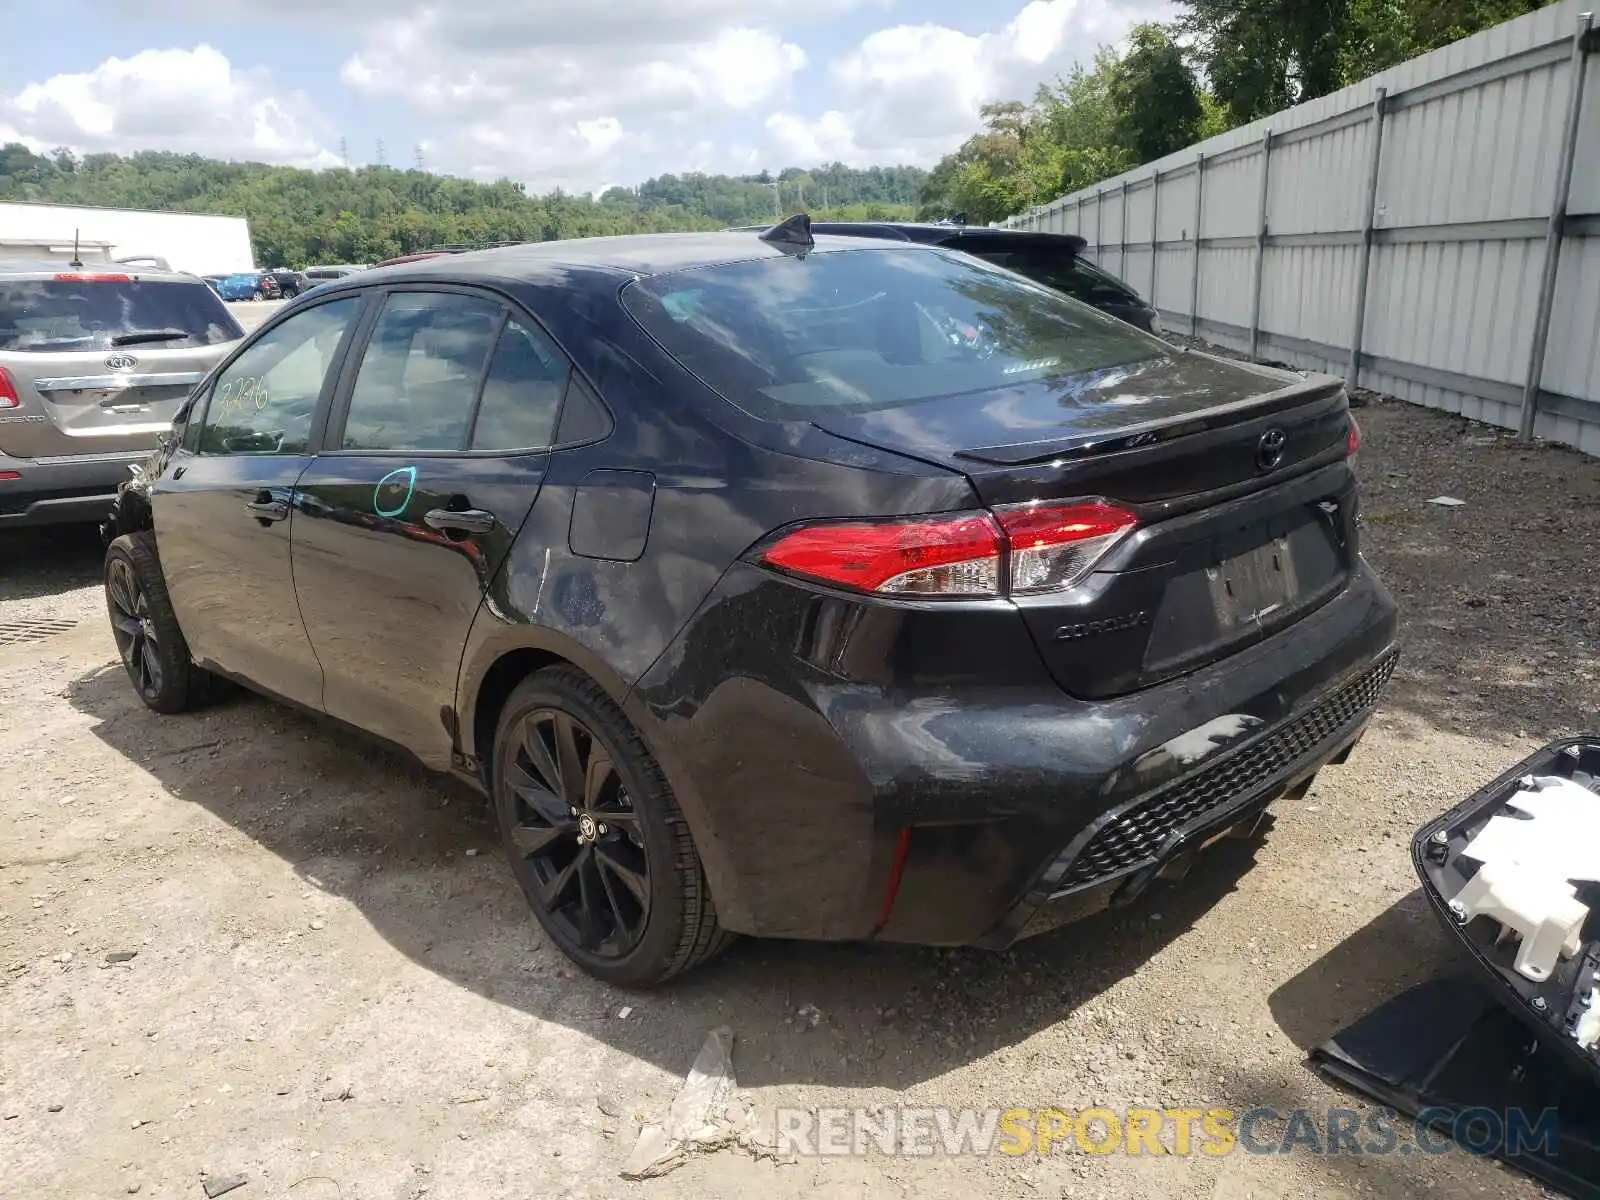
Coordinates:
1432	231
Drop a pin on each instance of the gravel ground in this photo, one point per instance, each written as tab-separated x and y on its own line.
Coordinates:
338	994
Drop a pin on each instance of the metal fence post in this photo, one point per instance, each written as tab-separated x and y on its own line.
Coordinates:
1261	245
1122	232
1199	211
1358	319
1555	228
1099	203
1155	231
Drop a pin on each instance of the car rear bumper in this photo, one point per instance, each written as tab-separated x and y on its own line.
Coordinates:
56	491
855	771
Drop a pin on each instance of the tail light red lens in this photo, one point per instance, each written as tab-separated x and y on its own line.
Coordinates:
8	391
1353	441
953	555
1053	546
1020	550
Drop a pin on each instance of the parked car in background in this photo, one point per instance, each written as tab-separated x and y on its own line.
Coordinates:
323	274
1053	259
243	285
289	283
792	585
440	251
93	366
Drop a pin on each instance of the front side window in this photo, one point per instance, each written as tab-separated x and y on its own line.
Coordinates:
861	330
420	372
263	402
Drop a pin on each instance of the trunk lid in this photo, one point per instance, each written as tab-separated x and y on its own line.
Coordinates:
1238	475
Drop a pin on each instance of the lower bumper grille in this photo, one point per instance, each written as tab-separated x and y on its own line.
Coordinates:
1134	836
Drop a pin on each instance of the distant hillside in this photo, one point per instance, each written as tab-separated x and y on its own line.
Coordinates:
301	217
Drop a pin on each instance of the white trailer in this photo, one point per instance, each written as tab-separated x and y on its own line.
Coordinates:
204	245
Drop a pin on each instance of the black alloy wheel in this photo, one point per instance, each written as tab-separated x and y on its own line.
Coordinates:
149	642
576	836
138	641
595	836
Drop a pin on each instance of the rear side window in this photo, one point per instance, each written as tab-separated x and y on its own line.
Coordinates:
521	393
420	372
88	312
784	337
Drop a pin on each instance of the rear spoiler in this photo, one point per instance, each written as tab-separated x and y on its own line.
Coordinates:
1321	390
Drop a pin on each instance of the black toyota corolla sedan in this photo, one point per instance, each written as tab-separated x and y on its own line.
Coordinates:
771	583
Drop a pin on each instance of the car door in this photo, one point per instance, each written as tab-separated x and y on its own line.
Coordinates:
433	459
224	507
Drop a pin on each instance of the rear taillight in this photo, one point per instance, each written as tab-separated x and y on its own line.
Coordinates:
8	391
1018	550
1053	546
953	555
80	277
1353	440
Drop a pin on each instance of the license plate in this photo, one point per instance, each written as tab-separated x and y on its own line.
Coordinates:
1253	587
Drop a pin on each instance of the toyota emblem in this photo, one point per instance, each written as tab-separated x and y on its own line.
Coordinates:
121	362
1269	450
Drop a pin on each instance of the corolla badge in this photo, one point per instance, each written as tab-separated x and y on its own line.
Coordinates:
121	362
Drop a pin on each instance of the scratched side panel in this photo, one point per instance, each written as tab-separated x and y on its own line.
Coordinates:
718	489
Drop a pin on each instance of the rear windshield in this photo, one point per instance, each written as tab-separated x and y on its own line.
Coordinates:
99	314
872	329
1063	271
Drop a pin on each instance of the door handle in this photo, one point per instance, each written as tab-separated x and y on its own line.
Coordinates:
470	520
265	509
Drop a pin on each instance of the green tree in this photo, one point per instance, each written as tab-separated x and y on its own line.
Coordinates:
301	217
1157	101
1264	55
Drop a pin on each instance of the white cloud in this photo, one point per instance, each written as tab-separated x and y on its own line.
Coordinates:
537	94
583	93
192	101
912	93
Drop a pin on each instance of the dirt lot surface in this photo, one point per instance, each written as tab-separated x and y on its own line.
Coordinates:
338	994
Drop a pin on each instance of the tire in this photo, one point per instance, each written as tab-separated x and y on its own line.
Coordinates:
582	874
149	642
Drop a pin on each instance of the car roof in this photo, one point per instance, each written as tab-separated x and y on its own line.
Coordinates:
608	257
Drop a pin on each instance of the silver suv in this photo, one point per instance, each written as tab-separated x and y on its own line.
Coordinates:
93	367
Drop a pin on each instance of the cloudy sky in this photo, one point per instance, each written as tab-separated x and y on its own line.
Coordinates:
575	93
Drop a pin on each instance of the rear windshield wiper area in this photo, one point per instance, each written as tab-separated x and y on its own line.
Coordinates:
134	336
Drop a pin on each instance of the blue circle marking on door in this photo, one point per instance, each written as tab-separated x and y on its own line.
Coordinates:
395	480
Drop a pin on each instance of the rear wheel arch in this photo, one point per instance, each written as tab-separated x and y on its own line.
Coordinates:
486	686
492	673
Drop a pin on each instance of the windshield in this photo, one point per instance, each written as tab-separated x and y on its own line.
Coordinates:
99	314
870	329
1063	271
